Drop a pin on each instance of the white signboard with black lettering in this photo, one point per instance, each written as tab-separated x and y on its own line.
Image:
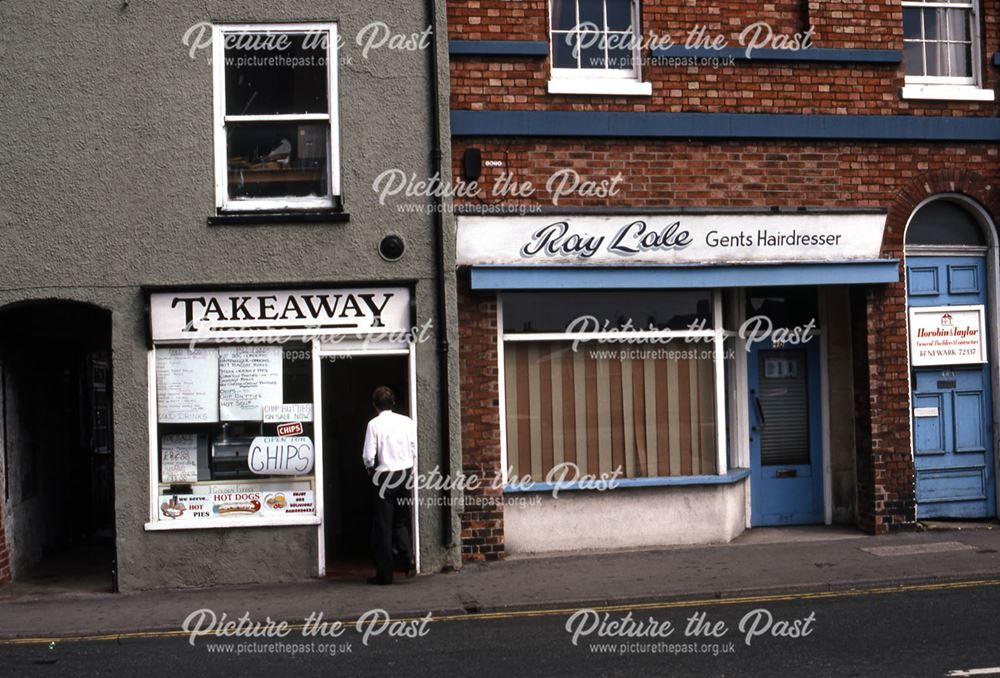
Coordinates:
179	458
277	414
669	239
187	386
277	456
249	380
278	315
947	335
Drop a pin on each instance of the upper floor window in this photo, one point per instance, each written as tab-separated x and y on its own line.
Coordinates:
941	49
595	47
276	128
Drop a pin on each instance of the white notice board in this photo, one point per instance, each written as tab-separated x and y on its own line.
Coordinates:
249	379
187	386
179	458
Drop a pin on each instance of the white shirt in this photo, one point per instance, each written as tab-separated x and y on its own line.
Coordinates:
394	438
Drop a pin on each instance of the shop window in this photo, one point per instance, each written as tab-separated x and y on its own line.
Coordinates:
636	397
276	131
594	45
604	311
941	50
608	407
234	431
784	307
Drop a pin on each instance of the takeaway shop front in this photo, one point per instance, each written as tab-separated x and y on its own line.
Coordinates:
258	404
703	361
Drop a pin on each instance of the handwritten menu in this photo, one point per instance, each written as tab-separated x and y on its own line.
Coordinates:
249	379
179	455
187	386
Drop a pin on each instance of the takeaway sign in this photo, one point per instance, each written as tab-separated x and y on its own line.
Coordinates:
218	316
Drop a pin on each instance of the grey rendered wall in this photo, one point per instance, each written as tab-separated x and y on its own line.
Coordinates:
107	181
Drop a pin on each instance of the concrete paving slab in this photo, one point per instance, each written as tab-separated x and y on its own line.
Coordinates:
778	564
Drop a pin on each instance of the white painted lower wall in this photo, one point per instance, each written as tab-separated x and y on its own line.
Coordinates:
626	518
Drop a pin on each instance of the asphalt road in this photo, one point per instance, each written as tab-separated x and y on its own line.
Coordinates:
922	631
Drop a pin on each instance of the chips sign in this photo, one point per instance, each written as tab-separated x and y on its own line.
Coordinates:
281	456
293	428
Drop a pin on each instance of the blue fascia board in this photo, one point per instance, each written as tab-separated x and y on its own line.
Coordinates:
813	54
498	48
723	125
733	476
882	271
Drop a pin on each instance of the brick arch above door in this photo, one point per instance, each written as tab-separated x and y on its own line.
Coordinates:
941	182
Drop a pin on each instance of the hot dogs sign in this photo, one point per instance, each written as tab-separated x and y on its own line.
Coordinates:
269	500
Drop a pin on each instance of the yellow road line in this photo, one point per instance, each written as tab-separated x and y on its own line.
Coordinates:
521	614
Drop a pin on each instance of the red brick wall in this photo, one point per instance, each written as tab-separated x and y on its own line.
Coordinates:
663	173
747	87
698	173
497	20
666	173
482	517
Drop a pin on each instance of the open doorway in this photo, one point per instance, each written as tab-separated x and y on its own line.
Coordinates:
348	382
58	446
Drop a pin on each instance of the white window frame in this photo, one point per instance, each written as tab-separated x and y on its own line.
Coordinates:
610	81
717	336
950	87
156	523
222	200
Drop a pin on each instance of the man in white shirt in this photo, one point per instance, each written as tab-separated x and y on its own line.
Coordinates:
389	454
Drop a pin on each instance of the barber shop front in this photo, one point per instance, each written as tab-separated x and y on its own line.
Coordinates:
668	378
258	404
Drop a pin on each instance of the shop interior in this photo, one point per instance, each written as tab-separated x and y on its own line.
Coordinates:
348	383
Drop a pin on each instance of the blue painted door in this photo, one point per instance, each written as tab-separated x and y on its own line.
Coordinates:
952	406
785	435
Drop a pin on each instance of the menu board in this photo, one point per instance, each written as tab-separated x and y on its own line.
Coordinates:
179	456
187	386
249	379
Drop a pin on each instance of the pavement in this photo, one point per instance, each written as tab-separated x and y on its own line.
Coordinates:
761	561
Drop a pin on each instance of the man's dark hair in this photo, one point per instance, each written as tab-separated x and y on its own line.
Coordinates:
383	398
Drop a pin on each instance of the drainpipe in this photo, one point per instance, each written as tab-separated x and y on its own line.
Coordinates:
440	264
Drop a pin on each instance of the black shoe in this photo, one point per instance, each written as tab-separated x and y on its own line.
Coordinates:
411	570
379	582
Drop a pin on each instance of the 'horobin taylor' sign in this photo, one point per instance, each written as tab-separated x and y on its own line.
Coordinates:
216	316
947	335
669	239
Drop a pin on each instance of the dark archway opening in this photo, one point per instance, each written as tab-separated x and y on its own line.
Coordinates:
58	445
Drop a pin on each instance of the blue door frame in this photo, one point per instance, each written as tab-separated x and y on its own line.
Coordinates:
785	493
952	405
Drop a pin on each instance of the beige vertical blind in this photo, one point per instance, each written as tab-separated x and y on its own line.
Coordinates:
644	408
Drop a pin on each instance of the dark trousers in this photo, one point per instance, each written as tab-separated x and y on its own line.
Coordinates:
391	521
